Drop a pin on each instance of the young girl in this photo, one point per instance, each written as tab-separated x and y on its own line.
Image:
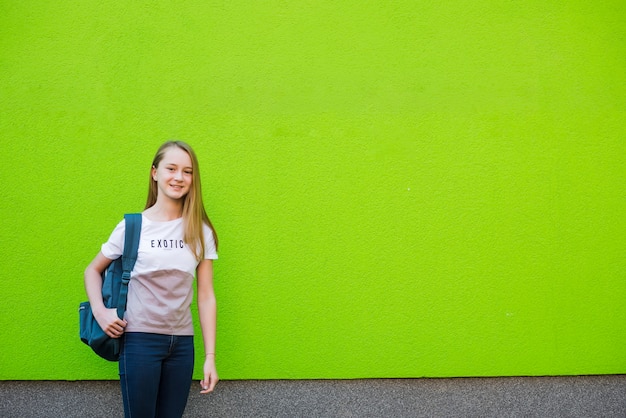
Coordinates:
177	240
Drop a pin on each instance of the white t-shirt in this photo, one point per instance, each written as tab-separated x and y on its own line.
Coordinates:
160	291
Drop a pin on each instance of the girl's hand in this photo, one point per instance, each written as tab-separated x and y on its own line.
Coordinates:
210	374
110	323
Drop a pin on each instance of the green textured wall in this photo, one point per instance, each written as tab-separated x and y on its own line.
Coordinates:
402	189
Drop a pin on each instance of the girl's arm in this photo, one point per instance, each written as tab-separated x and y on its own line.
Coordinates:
106	318
207	309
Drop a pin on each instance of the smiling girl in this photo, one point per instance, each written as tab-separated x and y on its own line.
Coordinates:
177	243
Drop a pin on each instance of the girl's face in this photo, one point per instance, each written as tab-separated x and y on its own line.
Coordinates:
173	174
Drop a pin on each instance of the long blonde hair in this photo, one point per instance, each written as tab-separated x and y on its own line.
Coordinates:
194	214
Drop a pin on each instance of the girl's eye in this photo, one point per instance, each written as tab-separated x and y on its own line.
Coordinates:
188	172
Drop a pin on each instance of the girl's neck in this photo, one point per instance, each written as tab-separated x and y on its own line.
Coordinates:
165	210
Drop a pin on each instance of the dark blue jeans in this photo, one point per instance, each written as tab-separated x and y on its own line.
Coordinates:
155	374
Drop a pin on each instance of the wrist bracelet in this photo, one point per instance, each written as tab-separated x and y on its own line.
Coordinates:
209	354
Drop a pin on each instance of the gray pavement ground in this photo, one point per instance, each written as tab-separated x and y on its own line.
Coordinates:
569	396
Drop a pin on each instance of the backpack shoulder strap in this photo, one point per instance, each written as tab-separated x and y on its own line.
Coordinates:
129	257
131	241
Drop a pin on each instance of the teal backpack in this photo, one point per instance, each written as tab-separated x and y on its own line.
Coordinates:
114	293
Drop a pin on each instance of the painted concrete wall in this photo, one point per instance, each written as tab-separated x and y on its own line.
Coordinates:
401	189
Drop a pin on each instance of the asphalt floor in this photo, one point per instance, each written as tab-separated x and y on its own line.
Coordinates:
568	396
